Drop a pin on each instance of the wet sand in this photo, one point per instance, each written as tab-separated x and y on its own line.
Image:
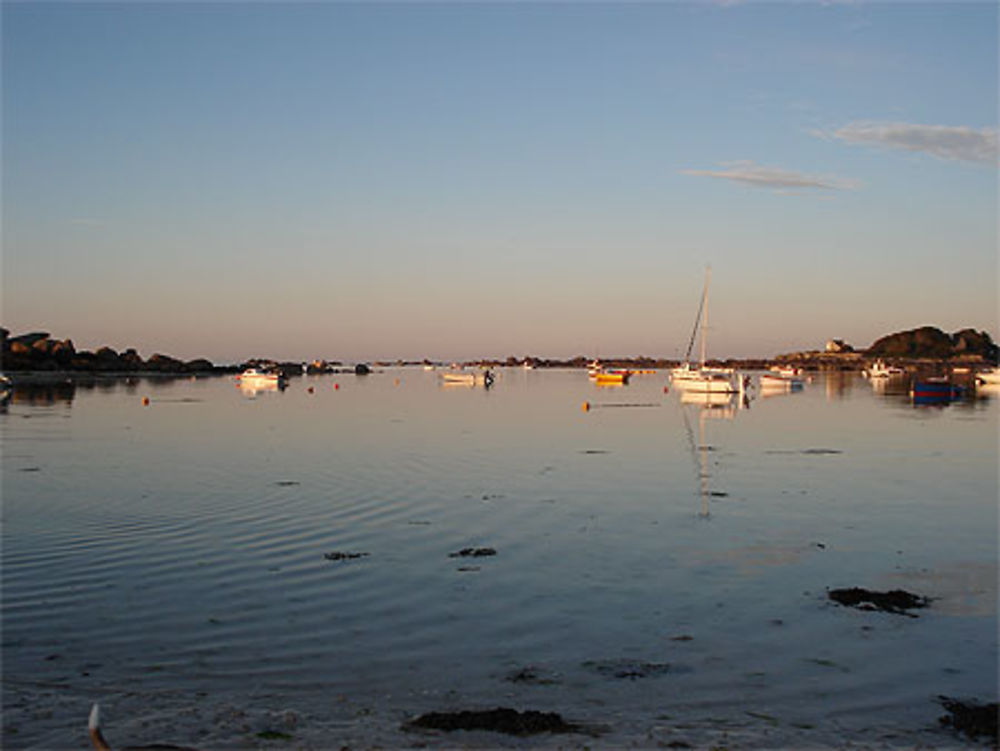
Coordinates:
40	717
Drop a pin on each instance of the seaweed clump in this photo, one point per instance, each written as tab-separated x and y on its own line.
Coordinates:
896	601
499	720
473	553
338	555
971	718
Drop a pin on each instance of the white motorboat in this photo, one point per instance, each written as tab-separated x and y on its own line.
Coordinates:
779	382
252	376
786	370
990	376
879	369
467	378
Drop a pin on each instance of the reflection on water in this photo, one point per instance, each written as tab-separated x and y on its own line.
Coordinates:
252	389
720	405
176	550
837	384
891	386
988	390
41	390
709	406
44	394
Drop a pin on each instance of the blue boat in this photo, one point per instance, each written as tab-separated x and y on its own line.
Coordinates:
936	391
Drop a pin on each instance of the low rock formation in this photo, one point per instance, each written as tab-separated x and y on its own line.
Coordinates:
39	351
931	342
926	343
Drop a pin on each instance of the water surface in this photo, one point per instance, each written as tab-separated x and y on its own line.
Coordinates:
661	567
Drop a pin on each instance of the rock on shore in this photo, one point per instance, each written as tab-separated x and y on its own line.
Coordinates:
39	351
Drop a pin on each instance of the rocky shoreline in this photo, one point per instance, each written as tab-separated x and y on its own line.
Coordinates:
918	349
38	351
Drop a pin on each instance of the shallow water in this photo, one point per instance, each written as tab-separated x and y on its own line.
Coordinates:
661	567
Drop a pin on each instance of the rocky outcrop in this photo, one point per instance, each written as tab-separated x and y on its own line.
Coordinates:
165	364
39	351
931	342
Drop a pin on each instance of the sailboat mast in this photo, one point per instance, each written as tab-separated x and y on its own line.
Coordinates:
704	324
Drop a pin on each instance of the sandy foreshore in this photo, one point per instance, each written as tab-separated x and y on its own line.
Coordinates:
54	717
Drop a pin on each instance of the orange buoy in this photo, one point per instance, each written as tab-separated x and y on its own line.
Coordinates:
586	406
145	401
310	389
666	389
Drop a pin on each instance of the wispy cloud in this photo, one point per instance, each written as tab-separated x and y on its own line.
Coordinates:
87	222
773	178
949	142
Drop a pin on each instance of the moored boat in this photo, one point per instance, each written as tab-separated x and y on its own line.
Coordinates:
988	376
252	376
684	372
936	390
786	370
606	377
879	369
779	382
467	378
713	382
704	379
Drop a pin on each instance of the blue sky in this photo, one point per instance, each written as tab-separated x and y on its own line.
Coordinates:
452	180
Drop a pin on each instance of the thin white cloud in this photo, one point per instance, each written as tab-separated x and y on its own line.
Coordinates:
773	178
949	142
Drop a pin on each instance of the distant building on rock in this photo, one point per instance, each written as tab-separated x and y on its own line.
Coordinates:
838	345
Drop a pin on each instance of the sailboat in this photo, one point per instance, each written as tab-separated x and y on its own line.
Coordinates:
702	378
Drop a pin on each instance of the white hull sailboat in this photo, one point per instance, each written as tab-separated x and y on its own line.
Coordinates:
702	379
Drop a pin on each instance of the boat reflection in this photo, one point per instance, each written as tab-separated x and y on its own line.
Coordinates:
716	405
251	389
988	390
838	384
41	394
710	406
890	386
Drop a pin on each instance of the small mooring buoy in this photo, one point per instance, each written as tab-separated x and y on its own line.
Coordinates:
586	406
145	401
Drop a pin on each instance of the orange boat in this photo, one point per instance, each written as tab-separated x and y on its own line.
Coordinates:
612	376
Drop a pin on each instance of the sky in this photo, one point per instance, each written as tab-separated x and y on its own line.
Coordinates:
364	181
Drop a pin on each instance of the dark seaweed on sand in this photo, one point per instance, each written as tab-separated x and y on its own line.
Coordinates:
338	555
972	718
473	553
499	720
896	601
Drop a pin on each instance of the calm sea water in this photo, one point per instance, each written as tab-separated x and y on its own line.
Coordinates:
661	567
